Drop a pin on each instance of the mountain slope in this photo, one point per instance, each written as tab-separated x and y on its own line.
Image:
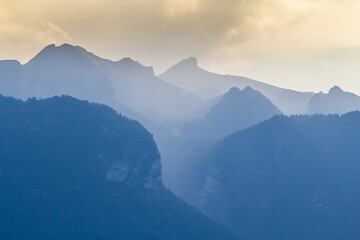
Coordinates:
188	75
287	178
335	102
74	170
238	109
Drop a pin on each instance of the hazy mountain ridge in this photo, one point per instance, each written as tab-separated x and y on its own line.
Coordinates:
286	178
71	70
335	102
238	109
75	170
188	75
219	183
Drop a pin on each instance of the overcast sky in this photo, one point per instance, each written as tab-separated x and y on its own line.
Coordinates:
307	45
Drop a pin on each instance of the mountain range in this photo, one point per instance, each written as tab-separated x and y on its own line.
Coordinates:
188	75
75	170
286	178
133	89
80	170
125	85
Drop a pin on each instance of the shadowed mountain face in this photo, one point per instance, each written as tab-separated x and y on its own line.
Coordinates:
188	75
74	170
73	71
287	178
238	109
335	102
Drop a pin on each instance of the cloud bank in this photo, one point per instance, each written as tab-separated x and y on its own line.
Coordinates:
301	44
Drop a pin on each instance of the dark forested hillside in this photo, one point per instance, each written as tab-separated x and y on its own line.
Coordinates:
287	178
74	170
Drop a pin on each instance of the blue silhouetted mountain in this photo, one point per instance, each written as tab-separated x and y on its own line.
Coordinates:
10	72
335	102
71	70
70	169
67	70
238	109
287	178
138	87
189	76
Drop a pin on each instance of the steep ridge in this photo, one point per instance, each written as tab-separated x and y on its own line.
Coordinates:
287	178
335	102
74	170
188	75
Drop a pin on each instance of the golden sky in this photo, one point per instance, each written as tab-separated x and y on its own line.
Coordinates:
298	44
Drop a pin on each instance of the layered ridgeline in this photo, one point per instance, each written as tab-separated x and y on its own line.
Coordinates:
188	75
123	85
336	101
236	110
74	170
287	178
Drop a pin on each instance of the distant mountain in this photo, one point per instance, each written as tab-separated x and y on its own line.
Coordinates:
138	88
66	70
188	75
287	178
74	170
10	72
238	109
71	70
335	102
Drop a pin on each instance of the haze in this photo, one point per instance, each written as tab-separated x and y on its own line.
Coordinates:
307	45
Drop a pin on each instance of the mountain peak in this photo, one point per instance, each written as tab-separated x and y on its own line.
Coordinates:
335	90
128	62
53	47
66	45
238	109
249	89
10	63
56	53
336	101
189	62
234	91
